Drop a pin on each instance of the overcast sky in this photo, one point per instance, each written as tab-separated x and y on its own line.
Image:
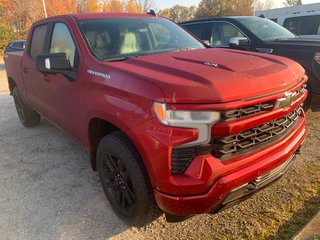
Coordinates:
170	3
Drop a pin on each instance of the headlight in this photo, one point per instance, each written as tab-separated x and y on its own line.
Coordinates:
201	120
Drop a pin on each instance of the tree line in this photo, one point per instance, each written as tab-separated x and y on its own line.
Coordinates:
18	15
211	8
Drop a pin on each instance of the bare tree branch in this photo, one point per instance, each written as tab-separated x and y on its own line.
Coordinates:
260	5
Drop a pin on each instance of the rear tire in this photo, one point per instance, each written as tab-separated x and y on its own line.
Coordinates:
125	181
27	116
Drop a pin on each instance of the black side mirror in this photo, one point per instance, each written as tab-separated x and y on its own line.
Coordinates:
239	42
54	63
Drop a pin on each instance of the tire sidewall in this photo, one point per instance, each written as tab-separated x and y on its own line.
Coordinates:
110	144
18	100
30	117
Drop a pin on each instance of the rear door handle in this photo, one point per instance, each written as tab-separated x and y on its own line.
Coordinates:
45	78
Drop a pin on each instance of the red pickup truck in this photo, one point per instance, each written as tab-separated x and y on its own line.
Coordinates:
169	123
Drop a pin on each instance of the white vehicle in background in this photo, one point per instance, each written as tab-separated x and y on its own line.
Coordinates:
303	20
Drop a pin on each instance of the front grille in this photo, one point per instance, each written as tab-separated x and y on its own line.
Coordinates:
246	111
243	142
182	157
255	109
247	141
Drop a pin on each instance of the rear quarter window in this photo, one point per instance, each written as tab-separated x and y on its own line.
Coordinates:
37	40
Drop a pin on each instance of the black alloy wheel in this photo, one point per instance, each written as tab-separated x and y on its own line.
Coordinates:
125	181
118	184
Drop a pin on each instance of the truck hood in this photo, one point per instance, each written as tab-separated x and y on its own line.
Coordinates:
214	75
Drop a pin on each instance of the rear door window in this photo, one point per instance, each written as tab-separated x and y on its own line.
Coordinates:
37	41
306	25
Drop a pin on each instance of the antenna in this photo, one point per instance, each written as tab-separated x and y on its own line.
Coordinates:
152	12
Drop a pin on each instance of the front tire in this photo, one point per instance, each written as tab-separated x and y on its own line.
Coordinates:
124	180
27	116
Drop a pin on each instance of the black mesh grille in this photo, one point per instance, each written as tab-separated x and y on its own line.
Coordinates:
246	111
231	146
254	109
182	157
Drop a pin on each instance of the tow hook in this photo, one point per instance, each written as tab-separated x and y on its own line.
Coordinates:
298	151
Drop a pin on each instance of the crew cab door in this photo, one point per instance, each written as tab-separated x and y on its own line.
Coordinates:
60	95
32	77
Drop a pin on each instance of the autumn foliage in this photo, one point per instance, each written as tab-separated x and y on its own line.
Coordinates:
18	15
209	8
179	13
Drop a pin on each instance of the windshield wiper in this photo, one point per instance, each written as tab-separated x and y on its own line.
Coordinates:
187	49
119	59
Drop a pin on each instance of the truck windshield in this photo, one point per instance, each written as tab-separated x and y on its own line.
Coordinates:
115	39
266	29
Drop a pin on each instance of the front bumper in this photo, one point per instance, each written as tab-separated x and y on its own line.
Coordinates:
232	187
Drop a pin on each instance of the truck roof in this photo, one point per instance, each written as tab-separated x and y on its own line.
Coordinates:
84	16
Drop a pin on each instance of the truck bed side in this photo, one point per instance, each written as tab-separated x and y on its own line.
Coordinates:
13	64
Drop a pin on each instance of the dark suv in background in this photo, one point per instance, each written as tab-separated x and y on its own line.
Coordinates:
263	35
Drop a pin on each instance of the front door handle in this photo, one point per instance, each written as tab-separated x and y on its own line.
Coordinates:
25	70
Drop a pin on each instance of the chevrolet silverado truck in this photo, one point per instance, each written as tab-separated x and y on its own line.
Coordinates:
169	123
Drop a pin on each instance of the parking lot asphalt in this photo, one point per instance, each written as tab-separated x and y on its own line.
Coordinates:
48	190
3	77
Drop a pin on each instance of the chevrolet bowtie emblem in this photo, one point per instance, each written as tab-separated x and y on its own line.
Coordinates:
285	101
